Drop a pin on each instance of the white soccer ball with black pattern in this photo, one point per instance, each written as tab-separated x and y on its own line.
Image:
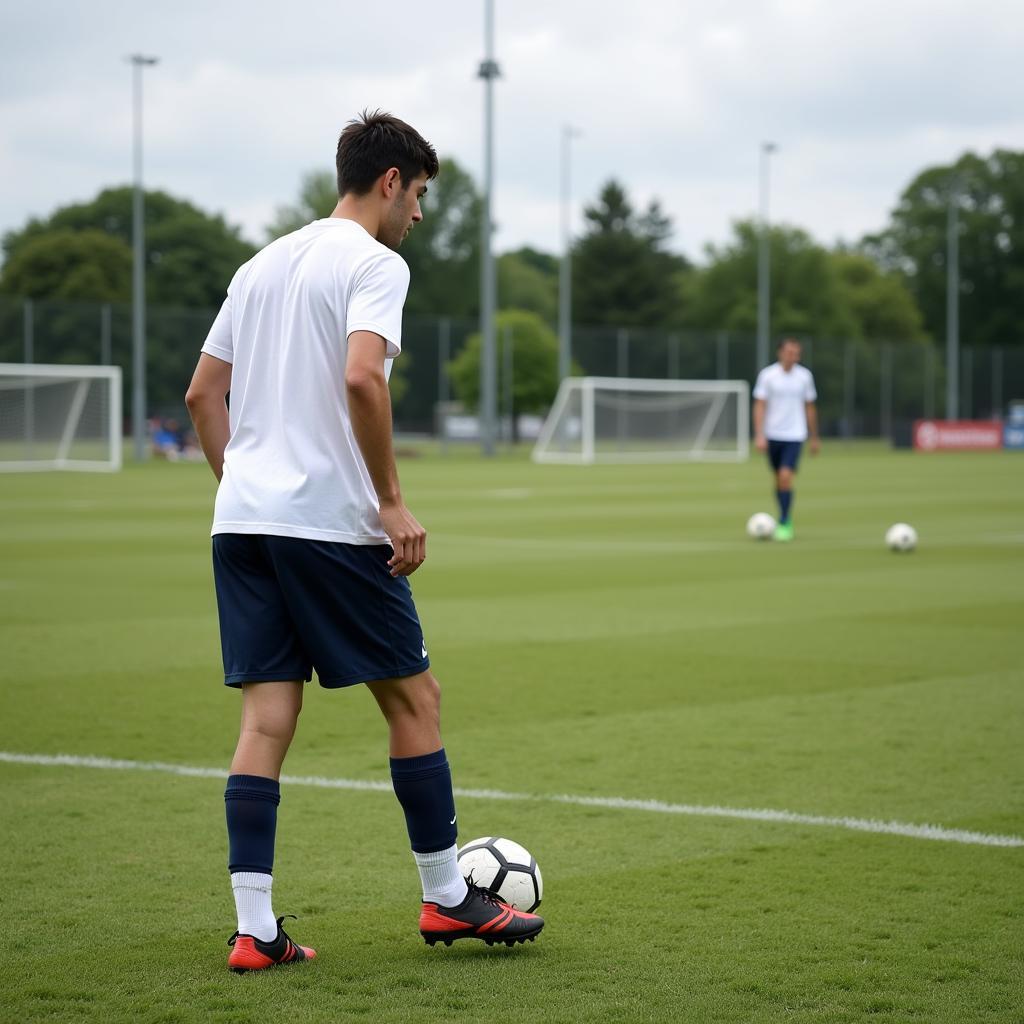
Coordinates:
760	526
901	537
506	868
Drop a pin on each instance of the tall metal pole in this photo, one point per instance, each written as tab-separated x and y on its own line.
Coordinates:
967	405
105	332
444	352
622	371
565	270
953	304
997	384
885	398
928	404
508	381
29	353
488	364
764	270
28	332
138	264
849	388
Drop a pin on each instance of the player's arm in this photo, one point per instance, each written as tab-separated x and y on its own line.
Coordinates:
369	409
812	426
759	438
206	399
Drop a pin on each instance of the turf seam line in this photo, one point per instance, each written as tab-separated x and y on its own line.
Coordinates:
897	828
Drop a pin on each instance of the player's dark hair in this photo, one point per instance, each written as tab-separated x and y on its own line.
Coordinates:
374	142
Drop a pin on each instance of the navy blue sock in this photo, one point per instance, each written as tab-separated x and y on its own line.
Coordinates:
785	500
250	802
423	786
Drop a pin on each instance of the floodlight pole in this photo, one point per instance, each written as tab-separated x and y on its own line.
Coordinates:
953	303
138	62
488	71
565	270
764	269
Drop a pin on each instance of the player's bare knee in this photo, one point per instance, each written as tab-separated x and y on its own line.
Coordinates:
424	698
415	697
265	734
278	727
431	691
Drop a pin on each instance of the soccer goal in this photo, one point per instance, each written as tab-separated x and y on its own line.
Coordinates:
60	417
619	419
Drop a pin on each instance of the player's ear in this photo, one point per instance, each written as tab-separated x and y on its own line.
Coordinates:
392	182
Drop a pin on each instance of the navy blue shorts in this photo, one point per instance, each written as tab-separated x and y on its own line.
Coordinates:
784	453
288	606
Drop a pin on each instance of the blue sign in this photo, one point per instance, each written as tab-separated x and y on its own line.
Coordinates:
1013	435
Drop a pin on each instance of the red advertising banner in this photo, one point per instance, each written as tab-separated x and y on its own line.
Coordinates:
957	435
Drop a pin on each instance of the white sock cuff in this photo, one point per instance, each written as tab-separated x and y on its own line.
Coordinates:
252	880
442	881
435	857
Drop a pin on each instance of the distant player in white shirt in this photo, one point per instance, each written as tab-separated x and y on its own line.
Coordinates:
312	540
784	416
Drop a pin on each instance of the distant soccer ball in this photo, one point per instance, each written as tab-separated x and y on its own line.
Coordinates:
504	867
760	526
901	537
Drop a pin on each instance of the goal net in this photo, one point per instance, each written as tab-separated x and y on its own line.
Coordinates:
617	419
60	417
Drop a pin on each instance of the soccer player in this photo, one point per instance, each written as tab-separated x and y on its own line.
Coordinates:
784	414
312	539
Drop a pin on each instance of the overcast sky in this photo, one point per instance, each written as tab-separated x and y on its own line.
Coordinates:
671	97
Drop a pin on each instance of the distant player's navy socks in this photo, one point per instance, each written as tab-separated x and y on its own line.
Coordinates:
251	805
785	499
423	786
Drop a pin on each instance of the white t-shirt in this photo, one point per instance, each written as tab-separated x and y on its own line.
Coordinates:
785	396
292	467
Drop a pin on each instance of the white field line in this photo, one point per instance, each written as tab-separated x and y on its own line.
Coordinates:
896	828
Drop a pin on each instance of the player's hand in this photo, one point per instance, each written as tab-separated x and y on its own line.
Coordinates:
815	446
761	443
407	537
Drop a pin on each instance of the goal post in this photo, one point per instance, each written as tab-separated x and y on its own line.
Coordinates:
623	419
60	417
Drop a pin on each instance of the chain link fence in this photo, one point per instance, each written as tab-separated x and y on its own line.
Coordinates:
865	388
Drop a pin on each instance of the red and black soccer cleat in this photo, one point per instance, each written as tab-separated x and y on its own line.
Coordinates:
251	954
481	915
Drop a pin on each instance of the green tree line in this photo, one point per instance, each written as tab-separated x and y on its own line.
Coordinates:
889	286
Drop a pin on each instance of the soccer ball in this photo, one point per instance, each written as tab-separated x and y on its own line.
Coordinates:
901	537
504	867
760	526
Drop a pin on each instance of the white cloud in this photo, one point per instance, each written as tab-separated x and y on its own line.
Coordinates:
672	98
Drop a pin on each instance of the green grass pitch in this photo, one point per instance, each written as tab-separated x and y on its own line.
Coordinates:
604	632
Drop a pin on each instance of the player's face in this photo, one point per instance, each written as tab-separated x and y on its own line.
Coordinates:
789	354
403	212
